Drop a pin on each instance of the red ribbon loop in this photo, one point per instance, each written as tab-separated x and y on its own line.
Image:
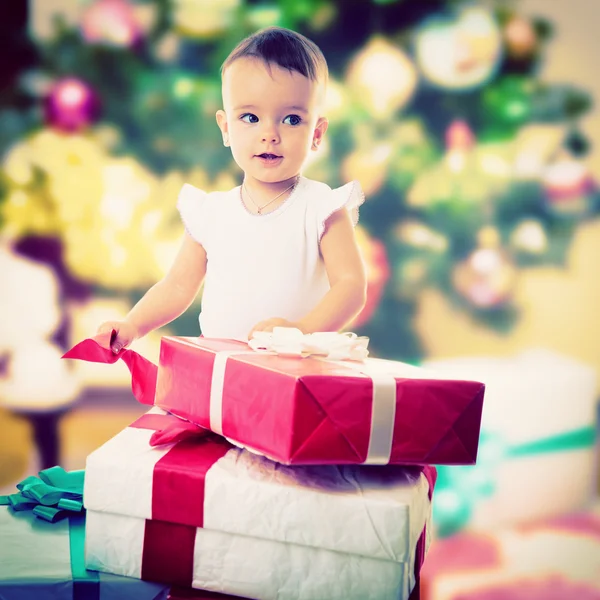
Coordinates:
143	372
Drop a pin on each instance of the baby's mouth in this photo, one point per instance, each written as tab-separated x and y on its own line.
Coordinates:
268	156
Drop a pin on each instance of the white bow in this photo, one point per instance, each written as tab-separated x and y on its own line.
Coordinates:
289	341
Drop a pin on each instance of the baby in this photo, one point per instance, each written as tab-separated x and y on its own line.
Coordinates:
280	249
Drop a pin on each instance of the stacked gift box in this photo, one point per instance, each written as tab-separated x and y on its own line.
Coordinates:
265	476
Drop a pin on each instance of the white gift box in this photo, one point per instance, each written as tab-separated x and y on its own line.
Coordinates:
254	527
537	449
245	566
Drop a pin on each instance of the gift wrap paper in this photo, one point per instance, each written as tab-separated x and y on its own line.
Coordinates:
313	411
239	565
554	560
36	564
374	512
537	455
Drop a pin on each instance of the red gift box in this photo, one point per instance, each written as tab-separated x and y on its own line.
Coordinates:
313	411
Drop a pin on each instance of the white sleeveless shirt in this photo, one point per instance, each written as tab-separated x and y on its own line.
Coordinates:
262	266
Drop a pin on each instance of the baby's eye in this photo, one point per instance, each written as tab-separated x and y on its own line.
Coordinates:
249	118
292	120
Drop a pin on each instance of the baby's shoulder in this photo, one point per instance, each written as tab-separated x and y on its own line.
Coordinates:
207	200
323	201
315	189
322	195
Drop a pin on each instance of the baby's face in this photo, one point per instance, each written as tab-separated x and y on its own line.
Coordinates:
271	119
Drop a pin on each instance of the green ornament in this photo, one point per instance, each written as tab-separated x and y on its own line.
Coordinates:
264	15
509	100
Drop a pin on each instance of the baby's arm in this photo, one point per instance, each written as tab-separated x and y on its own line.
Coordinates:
347	280
165	300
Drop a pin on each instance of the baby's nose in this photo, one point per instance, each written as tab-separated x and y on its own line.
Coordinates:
270	134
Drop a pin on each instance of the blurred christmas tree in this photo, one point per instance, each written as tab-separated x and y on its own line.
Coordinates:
471	164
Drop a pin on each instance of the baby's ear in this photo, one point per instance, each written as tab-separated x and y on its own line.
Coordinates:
222	123
319	132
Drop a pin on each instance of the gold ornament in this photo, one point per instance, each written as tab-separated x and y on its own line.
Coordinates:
204	19
382	77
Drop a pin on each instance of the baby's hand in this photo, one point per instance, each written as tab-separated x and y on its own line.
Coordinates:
269	324
125	333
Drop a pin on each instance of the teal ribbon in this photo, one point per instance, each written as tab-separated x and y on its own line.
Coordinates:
459	489
55	495
52	496
86	584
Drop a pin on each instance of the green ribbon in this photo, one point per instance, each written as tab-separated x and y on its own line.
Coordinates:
86	584
562	442
458	489
52	496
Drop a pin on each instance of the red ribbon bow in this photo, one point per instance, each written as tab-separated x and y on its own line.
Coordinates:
143	383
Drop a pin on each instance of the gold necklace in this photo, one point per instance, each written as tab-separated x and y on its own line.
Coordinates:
259	209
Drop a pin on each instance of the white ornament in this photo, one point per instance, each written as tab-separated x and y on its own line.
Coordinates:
461	53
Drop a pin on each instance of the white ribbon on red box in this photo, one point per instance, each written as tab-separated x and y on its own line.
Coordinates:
289	341
345	348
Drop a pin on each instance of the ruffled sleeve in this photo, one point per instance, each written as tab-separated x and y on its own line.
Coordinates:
192	208
349	196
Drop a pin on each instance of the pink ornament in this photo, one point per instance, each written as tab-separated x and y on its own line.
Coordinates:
486	279
111	22
569	187
71	105
459	136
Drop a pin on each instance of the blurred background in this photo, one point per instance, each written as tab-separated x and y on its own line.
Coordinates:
473	130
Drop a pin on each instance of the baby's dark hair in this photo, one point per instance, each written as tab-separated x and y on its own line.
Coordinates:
285	48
